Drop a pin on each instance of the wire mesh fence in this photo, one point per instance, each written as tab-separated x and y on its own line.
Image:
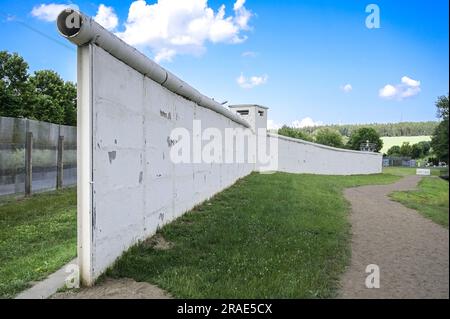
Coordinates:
50	154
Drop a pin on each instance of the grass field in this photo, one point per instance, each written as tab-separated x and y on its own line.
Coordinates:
268	236
430	200
389	141
37	237
405	171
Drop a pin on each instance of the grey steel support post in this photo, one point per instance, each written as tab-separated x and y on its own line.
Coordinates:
28	163
60	168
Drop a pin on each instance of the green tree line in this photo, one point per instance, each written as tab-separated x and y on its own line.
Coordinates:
414	151
383	129
357	135
440	138
332	137
42	96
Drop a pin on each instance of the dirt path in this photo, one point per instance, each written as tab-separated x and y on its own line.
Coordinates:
412	252
123	288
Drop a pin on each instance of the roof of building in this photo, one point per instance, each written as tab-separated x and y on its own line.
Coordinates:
247	105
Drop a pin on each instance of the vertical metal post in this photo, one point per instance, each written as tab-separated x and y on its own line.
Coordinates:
59	165
28	163
86	221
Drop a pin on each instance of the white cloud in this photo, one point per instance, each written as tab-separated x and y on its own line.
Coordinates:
271	125
183	26
251	82
410	82
49	12
242	15
165	55
388	91
407	88
306	122
249	54
347	88
106	17
238	4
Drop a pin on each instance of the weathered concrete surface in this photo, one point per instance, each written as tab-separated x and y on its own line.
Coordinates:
130	186
297	156
411	251
48	286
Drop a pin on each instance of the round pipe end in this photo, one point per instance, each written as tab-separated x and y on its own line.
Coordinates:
69	23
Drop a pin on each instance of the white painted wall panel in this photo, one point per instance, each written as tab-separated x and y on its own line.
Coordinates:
136	187
296	156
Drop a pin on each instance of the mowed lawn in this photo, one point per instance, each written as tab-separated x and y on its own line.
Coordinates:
37	237
405	171
431	199
267	236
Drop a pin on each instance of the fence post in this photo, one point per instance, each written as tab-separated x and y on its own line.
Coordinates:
59	165
28	163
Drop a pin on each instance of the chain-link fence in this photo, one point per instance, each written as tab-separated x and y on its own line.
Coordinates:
46	160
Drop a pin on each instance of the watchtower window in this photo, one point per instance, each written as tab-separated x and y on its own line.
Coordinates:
243	112
261	113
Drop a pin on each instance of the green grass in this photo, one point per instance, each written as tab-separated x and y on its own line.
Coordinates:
37	237
430	200
405	171
267	236
389	141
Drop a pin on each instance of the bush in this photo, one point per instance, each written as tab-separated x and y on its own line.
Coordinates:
363	135
329	137
294	133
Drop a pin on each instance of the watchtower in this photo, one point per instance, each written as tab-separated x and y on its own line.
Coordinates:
254	114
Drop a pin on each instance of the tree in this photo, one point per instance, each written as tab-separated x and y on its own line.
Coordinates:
425	147
362	135
13	85
329	137
416	151
69	99
420	149
54	100
394	151
294	133
406	149
43	96
442	107
440	138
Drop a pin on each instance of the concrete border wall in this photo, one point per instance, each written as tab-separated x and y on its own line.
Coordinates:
298	156
128	184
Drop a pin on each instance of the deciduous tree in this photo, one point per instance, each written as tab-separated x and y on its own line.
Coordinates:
362	135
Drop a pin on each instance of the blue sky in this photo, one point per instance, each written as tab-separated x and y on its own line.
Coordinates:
308	59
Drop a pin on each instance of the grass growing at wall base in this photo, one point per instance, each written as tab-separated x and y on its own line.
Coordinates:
268	236
37	237
430	200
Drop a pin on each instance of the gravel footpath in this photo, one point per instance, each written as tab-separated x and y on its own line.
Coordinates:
123	288
411	251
